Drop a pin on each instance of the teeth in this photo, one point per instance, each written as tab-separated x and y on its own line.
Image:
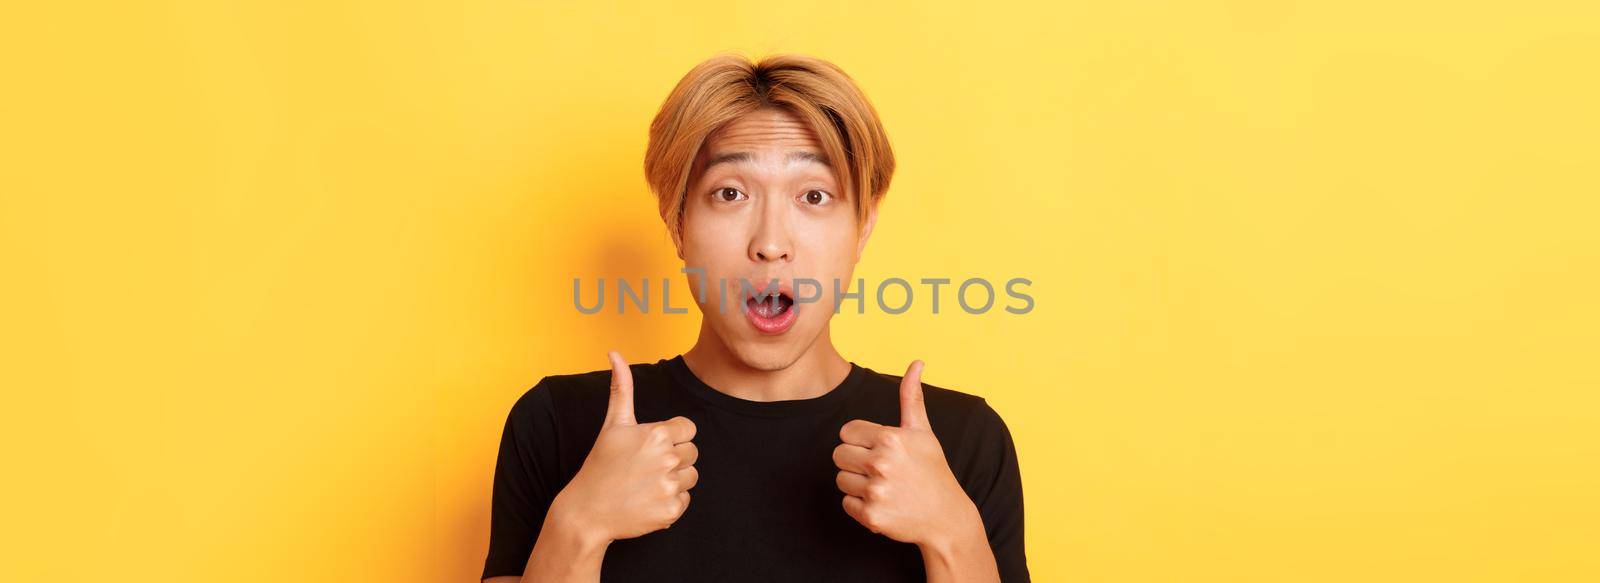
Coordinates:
768	306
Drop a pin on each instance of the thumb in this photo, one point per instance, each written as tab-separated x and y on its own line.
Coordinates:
619	410
913	413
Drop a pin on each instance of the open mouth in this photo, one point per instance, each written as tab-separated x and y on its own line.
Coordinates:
772	314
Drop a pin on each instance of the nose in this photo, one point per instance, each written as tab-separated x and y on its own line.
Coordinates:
771	239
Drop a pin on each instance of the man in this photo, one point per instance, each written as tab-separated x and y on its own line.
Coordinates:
804	465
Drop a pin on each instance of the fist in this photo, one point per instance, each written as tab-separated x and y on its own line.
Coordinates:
895	480
636	478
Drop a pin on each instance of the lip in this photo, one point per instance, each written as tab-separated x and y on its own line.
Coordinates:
760	285
772	326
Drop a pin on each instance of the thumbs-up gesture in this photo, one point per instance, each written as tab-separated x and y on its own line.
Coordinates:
637	477
896	480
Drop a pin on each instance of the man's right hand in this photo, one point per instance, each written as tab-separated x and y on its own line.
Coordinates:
637	477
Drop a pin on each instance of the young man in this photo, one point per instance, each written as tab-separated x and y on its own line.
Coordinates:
804	465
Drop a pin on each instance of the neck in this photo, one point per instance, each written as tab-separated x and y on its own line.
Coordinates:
818	370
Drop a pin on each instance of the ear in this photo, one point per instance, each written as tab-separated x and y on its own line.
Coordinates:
678	234
866	230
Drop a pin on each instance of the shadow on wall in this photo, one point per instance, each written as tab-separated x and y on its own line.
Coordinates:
610	232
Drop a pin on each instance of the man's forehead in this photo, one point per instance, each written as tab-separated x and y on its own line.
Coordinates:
763	130
736	156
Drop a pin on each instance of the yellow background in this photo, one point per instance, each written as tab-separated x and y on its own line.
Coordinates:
1315	283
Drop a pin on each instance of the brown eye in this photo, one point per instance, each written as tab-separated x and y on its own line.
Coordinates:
728	194
815	197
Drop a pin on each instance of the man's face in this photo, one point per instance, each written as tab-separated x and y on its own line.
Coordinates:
763	204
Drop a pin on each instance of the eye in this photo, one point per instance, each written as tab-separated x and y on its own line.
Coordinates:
816	197
729	194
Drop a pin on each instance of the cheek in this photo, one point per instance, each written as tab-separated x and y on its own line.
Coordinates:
715	247
705	234
828	242
828	254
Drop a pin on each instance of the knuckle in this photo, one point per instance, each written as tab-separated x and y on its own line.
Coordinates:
869	518
889	439
659	432
677	507
876	465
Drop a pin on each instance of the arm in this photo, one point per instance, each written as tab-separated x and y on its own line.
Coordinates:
897	483
566	550
635	480
993	482
962	555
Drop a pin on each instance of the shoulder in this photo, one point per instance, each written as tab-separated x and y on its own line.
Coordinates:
977	443
954	413
571	393
559	391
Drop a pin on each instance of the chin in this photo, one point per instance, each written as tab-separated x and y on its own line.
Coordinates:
763	359
771	353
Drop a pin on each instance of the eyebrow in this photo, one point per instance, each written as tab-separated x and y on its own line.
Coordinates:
731	157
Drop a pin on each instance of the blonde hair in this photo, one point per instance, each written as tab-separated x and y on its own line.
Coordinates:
726	87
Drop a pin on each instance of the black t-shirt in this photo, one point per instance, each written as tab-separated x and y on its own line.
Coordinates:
766	507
